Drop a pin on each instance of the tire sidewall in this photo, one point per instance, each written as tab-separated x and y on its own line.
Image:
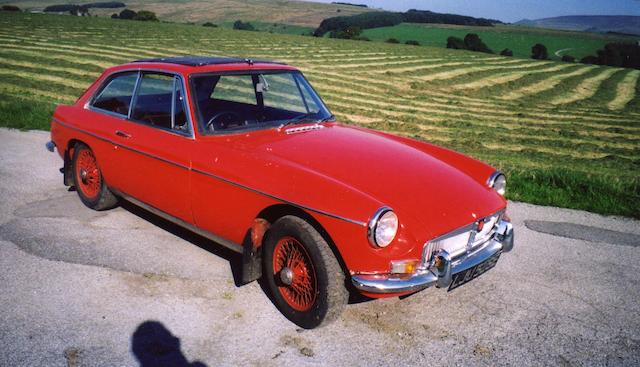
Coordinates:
290	227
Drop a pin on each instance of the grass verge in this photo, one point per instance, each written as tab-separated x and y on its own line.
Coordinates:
575	190
18	113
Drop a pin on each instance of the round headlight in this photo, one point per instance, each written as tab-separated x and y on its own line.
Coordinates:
383	227
498	182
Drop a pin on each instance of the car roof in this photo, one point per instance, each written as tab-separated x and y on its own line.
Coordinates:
205	60
201	64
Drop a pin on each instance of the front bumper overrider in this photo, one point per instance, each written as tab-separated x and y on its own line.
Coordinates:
440	276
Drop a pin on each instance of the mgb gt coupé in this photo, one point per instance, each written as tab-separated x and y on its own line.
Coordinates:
247	154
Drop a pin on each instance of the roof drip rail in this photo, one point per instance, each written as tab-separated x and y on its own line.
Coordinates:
206	60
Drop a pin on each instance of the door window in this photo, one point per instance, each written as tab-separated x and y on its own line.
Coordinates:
160	102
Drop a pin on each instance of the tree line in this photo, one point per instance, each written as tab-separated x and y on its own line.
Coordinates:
63	8
620	54
142	15
362	21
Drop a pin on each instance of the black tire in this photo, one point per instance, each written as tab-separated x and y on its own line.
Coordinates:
93	191
331	295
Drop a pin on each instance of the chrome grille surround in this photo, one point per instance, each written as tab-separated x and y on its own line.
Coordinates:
463	240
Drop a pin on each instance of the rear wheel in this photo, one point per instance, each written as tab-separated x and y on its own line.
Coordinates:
88	180
302	273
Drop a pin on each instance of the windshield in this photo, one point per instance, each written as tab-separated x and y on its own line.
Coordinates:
250	100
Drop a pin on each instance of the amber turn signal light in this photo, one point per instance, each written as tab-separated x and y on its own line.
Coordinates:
404	266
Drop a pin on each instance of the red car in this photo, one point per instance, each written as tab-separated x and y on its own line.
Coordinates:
247	154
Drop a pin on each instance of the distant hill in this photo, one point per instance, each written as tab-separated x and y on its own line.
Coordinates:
591	23
301	13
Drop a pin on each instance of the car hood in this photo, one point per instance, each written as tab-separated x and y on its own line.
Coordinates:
433	190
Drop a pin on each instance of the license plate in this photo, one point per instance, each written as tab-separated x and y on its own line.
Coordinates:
470	274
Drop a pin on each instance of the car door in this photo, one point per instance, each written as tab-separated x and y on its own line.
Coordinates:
105	115
153	146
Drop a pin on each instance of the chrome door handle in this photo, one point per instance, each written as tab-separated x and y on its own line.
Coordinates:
123	134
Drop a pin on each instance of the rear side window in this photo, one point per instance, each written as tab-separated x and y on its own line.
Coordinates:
115	96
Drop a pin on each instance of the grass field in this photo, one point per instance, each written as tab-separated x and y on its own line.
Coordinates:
303	13
566	135
518	39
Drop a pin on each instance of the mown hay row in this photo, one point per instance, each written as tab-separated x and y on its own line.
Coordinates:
586	89
545	84
626	91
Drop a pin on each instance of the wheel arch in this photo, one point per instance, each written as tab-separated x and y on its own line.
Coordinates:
271	214
68	160
277	211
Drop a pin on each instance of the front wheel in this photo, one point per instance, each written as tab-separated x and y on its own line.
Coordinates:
302	273
88	180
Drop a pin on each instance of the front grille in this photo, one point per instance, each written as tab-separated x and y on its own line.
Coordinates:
462	240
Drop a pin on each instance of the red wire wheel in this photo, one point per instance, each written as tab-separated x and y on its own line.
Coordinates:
88	174
295	275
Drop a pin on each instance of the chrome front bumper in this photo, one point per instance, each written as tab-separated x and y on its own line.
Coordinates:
442	276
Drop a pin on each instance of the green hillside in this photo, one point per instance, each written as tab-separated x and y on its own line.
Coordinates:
303	13
565	134
628	24
518	39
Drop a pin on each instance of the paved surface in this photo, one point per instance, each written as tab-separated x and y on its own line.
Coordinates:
122	288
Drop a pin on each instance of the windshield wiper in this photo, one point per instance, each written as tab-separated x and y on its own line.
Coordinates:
306	117
331	117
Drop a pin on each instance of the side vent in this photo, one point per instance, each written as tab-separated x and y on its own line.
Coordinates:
302	129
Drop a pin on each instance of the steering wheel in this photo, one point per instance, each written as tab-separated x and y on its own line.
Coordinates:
223	120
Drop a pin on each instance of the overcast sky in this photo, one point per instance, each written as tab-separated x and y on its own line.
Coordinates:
510	10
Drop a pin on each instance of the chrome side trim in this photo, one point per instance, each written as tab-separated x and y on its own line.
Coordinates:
215	238
119	145
58	121
278	198
195	170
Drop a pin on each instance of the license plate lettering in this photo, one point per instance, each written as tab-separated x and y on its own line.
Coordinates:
468	275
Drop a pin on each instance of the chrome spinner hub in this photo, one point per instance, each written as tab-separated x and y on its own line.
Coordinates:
286	276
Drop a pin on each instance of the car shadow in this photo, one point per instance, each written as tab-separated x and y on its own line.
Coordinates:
234	259
154	345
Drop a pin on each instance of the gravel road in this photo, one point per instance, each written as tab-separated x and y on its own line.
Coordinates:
123	288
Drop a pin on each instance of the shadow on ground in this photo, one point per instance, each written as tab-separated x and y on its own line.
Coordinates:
235	260
154	345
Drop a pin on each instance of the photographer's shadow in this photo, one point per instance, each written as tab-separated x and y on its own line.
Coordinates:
155	346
